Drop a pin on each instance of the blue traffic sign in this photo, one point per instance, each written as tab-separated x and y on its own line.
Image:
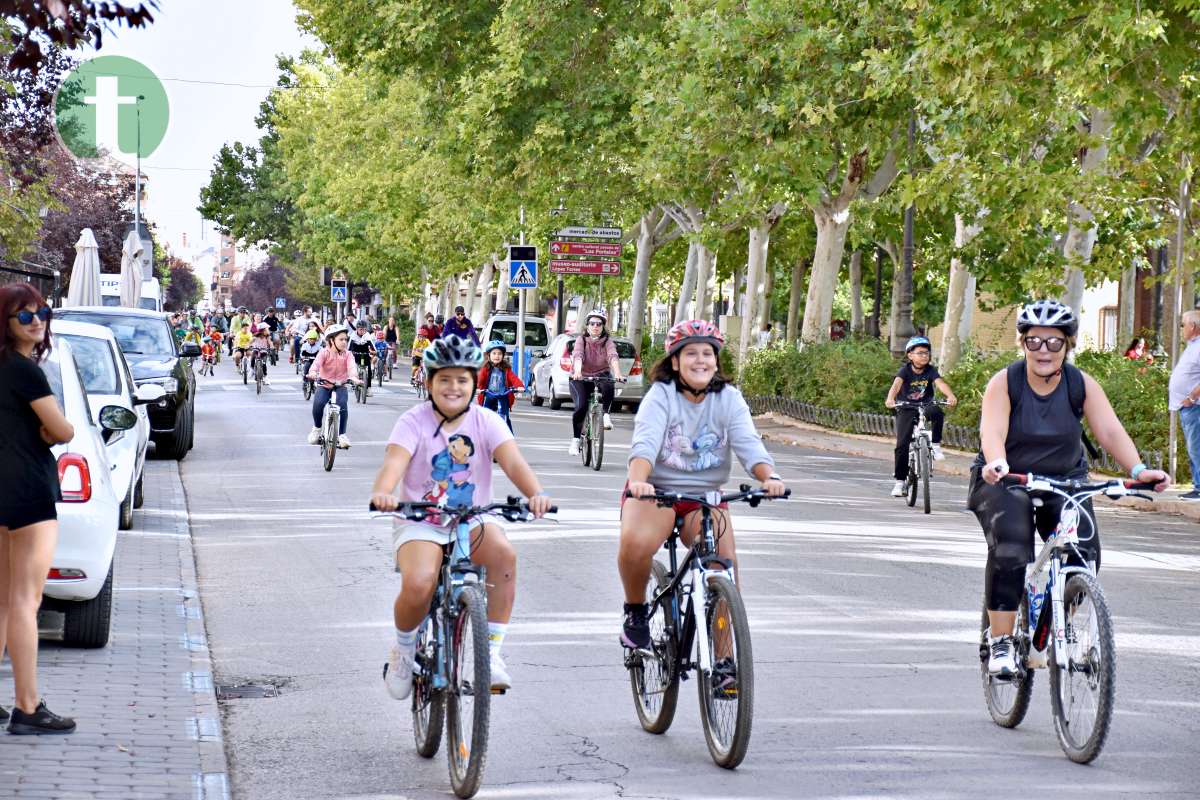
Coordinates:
522	267
337	294
280	302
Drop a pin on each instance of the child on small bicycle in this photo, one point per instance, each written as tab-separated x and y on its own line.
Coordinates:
241	344
914	383
381	351
498	384
420	342
207	355
260	347
332	369
442	451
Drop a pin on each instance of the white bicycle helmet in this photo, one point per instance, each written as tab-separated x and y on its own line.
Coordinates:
597	312
1048	314
334	330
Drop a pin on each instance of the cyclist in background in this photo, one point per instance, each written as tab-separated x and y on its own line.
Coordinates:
495	379
260	347
381	351
914	383
594	356
689	425
1032	422
420	342
241	344
362	346
461	327
333	365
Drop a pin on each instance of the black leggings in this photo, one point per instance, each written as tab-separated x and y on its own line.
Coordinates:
906	420
581	395
1009	518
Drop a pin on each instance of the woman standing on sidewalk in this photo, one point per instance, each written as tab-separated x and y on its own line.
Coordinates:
30	423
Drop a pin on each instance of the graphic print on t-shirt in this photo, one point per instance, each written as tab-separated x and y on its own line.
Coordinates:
692	455
917	387
450	477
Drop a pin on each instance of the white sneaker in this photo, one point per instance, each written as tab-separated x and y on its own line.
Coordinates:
938	455
573	450
607	423
1002	662
314	436
501	680
266	381
398	671
344	442
898	489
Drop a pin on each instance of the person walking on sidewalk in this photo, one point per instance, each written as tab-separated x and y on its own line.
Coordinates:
31	422
914	383
1183	395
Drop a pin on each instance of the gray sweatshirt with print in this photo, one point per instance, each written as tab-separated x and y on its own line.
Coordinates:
690	444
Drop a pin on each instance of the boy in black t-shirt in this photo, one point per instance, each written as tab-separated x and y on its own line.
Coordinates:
915	383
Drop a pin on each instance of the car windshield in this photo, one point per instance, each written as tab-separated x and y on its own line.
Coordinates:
96	365
506	331
148	303
139	335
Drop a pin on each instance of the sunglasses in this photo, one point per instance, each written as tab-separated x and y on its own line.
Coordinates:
25	316
1052	343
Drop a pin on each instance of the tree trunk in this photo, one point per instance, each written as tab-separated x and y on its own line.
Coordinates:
832	223
485	288
706	267
794	298
502	284
1081	234
1127	305
473	291
644	242
856	307
689	283
765	304
760	239
960	296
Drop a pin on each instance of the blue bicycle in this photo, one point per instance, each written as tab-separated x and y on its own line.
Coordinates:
452	678
501	403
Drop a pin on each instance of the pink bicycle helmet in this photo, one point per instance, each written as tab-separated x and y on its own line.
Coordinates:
693	330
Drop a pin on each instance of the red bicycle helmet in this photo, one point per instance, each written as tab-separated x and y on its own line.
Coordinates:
693	330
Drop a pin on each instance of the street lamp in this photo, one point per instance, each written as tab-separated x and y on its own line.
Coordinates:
137	179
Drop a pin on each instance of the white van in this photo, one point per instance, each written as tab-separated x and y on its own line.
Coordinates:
151	296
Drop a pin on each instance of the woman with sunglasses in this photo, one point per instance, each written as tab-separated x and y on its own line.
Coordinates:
594	368
1032	422
31	422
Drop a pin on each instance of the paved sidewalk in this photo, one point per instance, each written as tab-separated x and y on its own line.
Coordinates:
145	705
782	429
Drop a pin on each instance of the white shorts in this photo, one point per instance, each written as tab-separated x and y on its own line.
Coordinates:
404	531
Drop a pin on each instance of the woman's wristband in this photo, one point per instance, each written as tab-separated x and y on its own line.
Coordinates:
1137	469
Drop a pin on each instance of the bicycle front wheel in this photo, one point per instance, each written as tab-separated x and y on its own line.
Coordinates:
727	694
655	679
1007	700
585	442
330	443
598	433
428	704
468	702
1083	679
925	462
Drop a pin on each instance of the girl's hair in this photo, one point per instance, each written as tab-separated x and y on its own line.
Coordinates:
1136	341
664	372
14	297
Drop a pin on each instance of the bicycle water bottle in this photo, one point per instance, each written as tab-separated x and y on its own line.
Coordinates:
1035	598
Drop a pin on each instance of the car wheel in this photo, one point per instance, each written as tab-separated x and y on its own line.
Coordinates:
535	399
139	495
555	403
192	424
87	624
176	446
125	512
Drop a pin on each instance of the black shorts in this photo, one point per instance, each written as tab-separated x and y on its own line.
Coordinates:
16	517
417	360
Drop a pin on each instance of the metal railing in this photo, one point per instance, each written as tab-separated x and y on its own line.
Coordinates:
959	437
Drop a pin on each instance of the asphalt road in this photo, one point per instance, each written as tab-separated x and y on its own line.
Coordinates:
864	616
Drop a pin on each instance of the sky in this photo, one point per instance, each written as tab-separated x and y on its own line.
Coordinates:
197	48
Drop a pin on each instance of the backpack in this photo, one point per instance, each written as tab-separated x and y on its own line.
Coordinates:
1076	393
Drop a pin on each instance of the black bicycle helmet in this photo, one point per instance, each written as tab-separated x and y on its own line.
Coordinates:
1048	314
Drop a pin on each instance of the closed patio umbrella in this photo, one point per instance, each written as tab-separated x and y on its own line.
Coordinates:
84	289
131	270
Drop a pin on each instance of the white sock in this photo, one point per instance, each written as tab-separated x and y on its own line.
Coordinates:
496	631
407	640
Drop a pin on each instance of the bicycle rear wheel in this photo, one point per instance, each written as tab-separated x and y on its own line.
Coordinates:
468	701
1007	700
428	704
925	460
655	679
1082	688
598	433
727	695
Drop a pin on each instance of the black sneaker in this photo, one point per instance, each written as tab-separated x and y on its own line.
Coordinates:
1193	495
41	721
3	715
636	632
724	679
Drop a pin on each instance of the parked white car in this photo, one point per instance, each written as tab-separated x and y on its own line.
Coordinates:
80	581
552	373
108	381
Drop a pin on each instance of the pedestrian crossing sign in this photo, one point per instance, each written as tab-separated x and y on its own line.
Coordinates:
337	294
522	267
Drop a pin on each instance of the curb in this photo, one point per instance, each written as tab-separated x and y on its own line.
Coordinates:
802	434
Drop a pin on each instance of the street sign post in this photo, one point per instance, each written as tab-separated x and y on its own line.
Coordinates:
600	249
570	267
576	232
522	267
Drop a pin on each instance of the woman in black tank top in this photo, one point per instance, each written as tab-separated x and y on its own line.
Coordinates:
1040	434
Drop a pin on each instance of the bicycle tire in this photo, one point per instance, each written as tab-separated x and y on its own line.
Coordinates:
307	389
727	747
598	433
910	484
245	372
329	446
466	759
1007	701
925	458
258	378
1100	678
585	442
656	717
428	704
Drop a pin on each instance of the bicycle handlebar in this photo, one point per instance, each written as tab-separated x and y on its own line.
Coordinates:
921	404
514	509
744	494
1117	486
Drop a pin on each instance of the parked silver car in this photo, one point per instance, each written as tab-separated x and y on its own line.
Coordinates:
552	373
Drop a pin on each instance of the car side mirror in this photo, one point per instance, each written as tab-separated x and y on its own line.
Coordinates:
190	350
117	418
148	393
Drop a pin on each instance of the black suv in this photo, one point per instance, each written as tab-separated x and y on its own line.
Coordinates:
154	356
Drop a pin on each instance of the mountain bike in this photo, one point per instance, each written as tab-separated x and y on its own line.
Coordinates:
1064	626
307	385
380	366
418	382
452	659
920	454
698	622
244	366
331	421
591	444
260	372
362	388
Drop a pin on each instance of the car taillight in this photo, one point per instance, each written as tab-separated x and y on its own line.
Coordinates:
566	363
74	478
64	574
637	366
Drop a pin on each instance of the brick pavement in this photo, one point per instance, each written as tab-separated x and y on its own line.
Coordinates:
149	727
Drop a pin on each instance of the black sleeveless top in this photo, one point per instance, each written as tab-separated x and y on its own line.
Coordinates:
1044	435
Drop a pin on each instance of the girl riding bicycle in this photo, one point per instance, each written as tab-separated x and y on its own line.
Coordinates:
690	421
1032	422
443	451
260	347
498	384
914	383
594	356
332	369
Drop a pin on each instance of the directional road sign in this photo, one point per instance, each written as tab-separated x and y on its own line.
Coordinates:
337	291
568	266
590	233
522	267
601	249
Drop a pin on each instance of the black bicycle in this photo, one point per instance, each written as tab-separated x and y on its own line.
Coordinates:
698	622
920	454
452	659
